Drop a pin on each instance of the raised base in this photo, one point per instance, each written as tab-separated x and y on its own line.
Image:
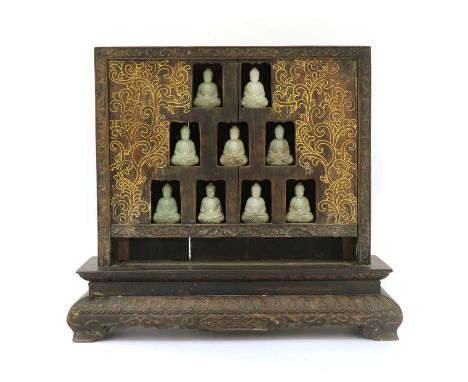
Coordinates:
183	278
378	315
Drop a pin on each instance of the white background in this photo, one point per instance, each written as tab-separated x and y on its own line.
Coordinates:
48	190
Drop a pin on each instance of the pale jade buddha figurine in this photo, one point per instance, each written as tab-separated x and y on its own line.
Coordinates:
166	209
278	151
184	153
299	208
255	209
210	209
207	93
254	93
234	151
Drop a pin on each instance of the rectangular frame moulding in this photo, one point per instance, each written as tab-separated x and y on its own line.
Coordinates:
233	230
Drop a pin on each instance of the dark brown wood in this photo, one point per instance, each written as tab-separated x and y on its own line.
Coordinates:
233	52
181	62
257	169
364	160
226	271
377	315
144	249
233	276
234	230
268	249
208	169
206	288
121	249
102	158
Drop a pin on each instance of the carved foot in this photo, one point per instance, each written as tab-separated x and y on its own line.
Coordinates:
380	331
383	326
86	327
90	335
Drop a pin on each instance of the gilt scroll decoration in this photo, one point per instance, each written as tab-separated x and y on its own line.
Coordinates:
317	93
142	95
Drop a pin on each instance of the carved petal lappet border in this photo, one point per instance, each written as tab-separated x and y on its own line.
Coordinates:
142	94
326	129
378	315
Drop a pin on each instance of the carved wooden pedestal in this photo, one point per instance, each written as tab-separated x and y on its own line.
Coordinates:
377	315
252	296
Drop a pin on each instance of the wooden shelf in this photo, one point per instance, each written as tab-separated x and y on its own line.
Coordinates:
232	230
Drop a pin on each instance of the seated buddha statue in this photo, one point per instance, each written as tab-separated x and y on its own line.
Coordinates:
207	92
210	209
166	209
254	93
255	209
278	151
184	153
299	208
234	151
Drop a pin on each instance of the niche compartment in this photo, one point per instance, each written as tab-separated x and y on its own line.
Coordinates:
289	135
309	193
246	185
220	193
265	78
197	79
156	194
175	136
223	137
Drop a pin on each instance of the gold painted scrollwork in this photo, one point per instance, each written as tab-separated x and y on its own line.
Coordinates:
142	94
317	92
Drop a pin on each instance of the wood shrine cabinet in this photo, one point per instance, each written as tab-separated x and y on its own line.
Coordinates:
233	275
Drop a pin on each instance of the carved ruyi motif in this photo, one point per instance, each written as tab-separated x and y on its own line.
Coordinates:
321	96
378	315
142	94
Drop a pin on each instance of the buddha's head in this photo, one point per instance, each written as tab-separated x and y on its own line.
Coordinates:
185	133
167	190
254	74
210	190
299	189
207	75
279	132
234	132
256	190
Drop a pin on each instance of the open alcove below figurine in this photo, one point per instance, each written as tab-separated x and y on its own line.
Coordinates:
146	249
269	250
273	249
